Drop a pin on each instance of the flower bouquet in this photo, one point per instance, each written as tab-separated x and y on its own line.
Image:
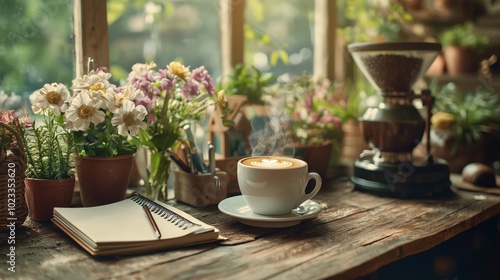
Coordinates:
173	97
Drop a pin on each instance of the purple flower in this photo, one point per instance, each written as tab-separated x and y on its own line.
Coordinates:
201	76
190	89
149	104
145	82
167	79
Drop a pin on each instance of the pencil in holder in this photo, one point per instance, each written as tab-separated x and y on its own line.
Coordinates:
202	189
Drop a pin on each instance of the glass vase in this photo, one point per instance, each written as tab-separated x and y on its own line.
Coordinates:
158	174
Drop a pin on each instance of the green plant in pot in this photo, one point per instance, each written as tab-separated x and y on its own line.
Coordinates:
463	126
50	179
246	84
248	81
461	45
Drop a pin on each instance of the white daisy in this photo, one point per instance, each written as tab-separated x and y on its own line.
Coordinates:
129	118
93	82
116	99
51	97
82	111
139	69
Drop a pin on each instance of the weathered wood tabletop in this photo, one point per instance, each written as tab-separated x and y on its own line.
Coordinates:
355	234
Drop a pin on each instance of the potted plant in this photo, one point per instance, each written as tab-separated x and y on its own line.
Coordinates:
461	45
464	126
313	118
101	119
249	83
50	179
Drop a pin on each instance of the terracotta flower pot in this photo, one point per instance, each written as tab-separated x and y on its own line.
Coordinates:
316	156
103	180
459	60
42	195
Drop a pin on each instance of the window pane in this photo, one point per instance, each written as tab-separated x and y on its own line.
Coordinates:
36	47
276	27
163	31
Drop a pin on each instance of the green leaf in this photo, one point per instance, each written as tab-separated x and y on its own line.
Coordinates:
274	58
284	56
265	39
115	10
249	34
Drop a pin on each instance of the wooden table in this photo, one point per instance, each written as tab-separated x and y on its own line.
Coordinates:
354	235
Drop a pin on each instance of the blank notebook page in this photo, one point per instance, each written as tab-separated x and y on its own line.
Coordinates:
121	222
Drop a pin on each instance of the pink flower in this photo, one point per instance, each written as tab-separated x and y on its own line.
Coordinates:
190	89
328	118
149	105
8	116
201	76
167	79
144	81
313	118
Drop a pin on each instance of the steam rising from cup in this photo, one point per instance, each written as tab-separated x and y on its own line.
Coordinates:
270	138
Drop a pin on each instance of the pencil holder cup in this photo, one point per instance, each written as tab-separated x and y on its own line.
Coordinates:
200	190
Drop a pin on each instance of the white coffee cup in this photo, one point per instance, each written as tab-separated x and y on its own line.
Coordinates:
274	185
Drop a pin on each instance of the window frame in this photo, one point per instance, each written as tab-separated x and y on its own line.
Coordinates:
92	35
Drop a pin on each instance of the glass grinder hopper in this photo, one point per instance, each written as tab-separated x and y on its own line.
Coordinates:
395	127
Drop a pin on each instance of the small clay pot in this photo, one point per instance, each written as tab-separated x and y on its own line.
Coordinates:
42	195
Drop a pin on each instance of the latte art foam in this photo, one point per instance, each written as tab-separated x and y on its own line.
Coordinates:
272	162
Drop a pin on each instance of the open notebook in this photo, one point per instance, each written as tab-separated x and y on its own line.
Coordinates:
124	228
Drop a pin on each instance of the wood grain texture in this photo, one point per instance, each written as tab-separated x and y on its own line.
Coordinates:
355	234
93	36
232	34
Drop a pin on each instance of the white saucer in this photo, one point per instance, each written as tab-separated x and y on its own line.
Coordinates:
236	207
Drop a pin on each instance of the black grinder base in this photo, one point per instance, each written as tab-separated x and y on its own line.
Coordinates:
411	179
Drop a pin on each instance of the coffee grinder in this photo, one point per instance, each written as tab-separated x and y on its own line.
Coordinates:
395	127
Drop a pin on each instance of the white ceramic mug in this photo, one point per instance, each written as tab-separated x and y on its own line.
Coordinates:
273	185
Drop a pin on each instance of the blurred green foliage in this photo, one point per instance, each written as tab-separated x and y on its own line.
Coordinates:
36	45
283	32
465	36
163	31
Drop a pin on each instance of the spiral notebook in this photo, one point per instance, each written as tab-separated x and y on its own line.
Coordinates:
123	227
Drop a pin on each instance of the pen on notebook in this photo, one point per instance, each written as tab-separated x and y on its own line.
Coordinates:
152	221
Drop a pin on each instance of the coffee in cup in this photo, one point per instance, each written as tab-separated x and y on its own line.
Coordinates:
275	185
